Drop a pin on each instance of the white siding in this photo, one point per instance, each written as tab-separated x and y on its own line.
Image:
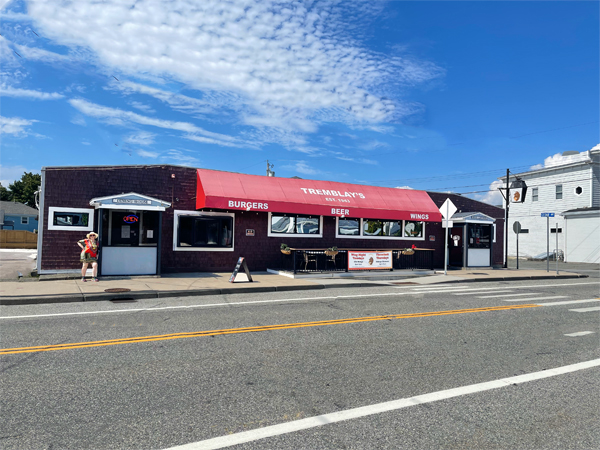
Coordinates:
596	180
583	239
529	213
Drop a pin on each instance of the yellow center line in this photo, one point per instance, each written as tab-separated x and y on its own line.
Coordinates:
285	326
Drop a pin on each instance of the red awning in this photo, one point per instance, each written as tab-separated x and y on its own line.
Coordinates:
226	190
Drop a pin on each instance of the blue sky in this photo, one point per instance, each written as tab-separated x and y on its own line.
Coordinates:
428	95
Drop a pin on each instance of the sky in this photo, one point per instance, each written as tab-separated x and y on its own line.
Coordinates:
439	96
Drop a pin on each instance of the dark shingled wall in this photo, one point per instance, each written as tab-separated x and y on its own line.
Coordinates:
74	187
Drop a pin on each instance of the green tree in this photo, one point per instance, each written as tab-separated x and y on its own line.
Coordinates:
5	194
23	190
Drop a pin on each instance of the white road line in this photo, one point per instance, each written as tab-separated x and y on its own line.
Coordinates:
436	288
594	308
509	295
465	286
211	305
580	333
568	302
475	290
535	298
317	421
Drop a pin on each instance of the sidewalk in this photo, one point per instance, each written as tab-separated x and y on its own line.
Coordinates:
192	284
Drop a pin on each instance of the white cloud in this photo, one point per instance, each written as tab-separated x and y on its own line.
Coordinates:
85	143
557	160
141	138
145	154
374	145
404	187
284	65
210	102
79	120
302	167
358	160
8	174
493	196
142	107
178	157
117	116
38	54
14	125
8	91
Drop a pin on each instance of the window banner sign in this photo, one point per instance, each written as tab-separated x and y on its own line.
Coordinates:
369	260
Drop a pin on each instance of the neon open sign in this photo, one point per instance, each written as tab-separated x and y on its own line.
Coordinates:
131	218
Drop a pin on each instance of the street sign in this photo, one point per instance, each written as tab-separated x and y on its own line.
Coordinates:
547	214
517	227
448	208
447	223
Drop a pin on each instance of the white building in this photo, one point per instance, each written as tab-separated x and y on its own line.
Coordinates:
570	189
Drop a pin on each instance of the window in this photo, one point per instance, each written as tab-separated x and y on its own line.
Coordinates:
24	220
203	231
348	227
534	194
295	225
372	227
392	228
558	191
380	229
479	235
578	190
553	230
71	219
413	229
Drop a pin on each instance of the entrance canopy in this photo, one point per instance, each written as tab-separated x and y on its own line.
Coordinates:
130	201
226	190
472	217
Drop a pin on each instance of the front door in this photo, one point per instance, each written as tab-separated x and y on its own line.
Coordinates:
125	228
456	247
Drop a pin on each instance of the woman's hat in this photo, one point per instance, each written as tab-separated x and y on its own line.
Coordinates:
92	233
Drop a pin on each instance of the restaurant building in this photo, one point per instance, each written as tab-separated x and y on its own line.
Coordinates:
162	218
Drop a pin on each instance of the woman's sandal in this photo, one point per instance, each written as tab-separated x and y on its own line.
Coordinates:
83	280
96	280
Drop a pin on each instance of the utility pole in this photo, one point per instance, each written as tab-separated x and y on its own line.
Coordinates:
270	173
507	199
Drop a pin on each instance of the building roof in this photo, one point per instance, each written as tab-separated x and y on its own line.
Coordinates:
581	159
17	209
581	210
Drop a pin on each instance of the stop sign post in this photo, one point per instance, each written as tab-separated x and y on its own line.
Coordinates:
517	230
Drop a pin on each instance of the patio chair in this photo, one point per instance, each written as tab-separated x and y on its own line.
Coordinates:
309	258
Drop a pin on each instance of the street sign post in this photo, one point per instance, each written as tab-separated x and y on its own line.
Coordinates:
547	216
517	230
447	209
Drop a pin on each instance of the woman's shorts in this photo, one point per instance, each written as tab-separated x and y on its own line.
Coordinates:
86	258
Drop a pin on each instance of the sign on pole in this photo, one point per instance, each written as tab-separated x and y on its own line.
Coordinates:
547	214
447	209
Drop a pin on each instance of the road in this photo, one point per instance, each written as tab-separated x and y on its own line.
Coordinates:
406	366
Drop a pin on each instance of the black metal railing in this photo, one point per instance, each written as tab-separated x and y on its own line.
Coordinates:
313	261
421	259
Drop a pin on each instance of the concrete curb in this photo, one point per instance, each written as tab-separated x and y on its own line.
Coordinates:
139	295
548	277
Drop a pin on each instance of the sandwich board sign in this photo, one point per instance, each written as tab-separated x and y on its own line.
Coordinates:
240	264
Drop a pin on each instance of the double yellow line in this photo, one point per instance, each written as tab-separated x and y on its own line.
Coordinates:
285	326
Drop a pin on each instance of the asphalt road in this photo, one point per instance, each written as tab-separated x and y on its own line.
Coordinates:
266	363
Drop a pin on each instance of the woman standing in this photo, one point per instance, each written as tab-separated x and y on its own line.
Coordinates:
89	255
